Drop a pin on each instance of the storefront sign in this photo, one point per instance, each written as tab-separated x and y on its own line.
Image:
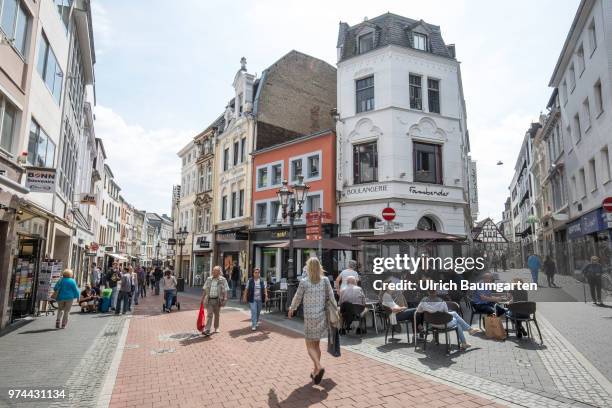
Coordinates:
587	224
171	241
40	180
280	234
94	246
89	199
233	236
377	188
109	249
242	235
440	192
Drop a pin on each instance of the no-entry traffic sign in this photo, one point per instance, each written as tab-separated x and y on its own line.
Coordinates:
388	214
607	204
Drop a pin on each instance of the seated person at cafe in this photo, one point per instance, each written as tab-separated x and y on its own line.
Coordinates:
88	300
349	296
433	303
484	301
398	313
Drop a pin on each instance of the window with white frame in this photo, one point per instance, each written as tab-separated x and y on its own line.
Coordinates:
313	202
308	165
208	183
419	41
364	94
593	170
14	22
580	56
433	95
236	152
243	150
241	203
207	220
583	182
49	69
416	92
605	159
578	131
234	203
223	208
598	98
269	175
366	42
564	91
226	159
575	188
8	124
275	215
586	109
592	36
572	77
261	213
41	149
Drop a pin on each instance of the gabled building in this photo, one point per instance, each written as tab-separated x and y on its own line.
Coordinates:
402	136
490	239
294	96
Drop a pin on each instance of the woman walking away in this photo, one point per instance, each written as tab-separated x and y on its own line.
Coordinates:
169	282
550	269
214	296
256	294
314	292
592	272
65	291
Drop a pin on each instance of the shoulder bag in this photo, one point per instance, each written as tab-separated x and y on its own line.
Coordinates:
331	308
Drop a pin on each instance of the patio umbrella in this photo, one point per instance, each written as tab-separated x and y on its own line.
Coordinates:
414	235
326	243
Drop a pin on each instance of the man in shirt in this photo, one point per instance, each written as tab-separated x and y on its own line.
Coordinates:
214	296
124	292
351	296
342	279
484	301
112	277
95	276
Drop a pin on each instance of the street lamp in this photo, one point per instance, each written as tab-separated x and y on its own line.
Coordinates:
181	234
291	201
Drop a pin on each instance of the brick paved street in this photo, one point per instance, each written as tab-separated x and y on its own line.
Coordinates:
166	363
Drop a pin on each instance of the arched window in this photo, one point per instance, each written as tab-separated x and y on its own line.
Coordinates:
426	224
364	223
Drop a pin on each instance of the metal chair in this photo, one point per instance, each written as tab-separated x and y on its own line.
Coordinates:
438	319
476	312
355	313
388	325
454	307
524	312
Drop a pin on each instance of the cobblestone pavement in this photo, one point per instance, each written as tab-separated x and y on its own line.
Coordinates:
573	319
75	359
167	363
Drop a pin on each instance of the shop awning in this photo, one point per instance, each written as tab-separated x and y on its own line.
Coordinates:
343	244
118	257
414	235
12	187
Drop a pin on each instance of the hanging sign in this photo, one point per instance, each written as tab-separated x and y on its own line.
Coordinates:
40	180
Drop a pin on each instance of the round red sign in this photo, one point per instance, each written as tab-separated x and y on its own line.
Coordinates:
388	214
607	204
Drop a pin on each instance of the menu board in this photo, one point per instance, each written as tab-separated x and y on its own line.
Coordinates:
50	272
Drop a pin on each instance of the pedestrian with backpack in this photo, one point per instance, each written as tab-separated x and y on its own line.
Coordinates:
123	297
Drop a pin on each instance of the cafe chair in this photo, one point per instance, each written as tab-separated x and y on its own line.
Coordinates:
524	312
454	307
354	313
476	312
388	326
439	319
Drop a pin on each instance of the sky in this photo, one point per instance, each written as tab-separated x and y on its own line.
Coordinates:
164	73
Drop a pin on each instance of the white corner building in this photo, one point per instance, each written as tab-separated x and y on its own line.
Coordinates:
401	128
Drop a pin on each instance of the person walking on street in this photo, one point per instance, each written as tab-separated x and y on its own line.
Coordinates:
135	288
123	298
235	278
157	275
169	283
592	272
64	292
534	264
214	296
142	281
314	292
550	269
112	277
256	294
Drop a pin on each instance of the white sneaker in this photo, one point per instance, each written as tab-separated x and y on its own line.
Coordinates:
253	328
257	324
217	331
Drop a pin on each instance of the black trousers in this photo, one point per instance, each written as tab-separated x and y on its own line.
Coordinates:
595	286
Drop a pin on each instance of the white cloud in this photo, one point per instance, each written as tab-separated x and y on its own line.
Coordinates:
144	161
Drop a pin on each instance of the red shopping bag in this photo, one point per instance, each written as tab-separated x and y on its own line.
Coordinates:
201	317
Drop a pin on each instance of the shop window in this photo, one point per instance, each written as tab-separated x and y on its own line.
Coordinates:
426	224
364	223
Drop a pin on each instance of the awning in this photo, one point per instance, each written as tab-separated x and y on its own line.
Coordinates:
118	257
12	187
344	244
414	235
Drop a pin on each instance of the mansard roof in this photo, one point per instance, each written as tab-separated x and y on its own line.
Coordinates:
389	29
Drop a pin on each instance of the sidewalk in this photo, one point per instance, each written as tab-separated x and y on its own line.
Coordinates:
165	362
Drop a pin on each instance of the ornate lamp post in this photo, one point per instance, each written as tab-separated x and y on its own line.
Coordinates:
291	201
181	234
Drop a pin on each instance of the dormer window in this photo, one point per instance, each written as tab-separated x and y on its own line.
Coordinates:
419	41
366	42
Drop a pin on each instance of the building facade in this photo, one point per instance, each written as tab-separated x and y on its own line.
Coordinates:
314	158
293	97
582	75
186	218
402	137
